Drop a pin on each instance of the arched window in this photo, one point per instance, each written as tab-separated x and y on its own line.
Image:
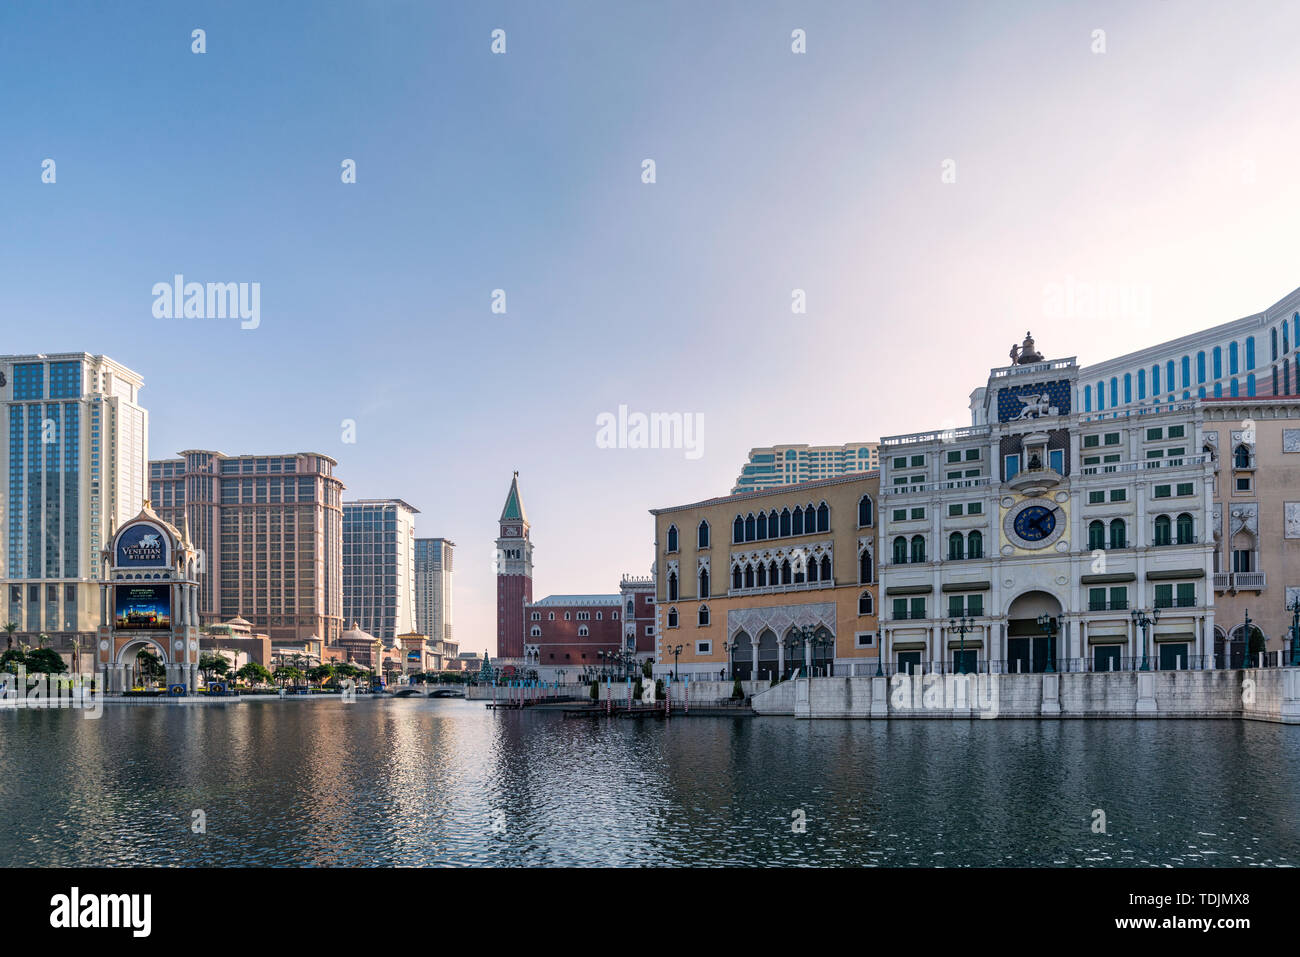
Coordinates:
1155	380
809	519
1128	387
1250	353
1187	371
584	631
738	530
864	603
551	617
1233	388
864	511
735	578
535	631
1169	376
1200	366
672	538
1142	384
1114	391
702	535
1216	360
1118	534
785	522
1250	386
704	583
1275	392
703	615
672	586
1186	533
749	527
1233	362
1087	398
749	576
762	526
918	548
823	518
1101	395
672	619
800	564
1162	530
864	566
812	569
1096	535
975	545
955	547
900	550
762	575
798	522
1241	457
786	577
826	568
773	574
1272	335
772	524
630	609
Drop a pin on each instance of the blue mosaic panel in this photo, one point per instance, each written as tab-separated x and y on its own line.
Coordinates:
1012	399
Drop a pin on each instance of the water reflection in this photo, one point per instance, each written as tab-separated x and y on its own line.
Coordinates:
418	782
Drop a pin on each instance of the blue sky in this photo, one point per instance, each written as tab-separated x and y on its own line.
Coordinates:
1166	164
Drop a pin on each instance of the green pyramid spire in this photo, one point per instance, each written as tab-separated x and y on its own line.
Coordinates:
514	510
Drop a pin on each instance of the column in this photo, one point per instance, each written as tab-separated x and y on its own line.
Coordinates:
780	656
753	647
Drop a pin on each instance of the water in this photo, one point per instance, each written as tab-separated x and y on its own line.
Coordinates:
419	782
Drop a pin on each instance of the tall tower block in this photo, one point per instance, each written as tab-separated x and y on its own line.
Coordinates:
514	576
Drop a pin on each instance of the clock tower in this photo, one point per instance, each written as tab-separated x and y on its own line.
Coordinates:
514	567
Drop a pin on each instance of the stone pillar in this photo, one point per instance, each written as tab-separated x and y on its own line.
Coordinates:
753	647
780	656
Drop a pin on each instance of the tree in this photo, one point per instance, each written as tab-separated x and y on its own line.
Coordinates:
149	665
210	664
10	628
11	659
254	673
595	691
737	692
321	673
286	674
46	660
647	670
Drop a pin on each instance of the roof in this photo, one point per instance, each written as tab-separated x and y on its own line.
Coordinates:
773	490
554	600
514	508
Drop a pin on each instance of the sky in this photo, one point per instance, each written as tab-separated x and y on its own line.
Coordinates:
926	173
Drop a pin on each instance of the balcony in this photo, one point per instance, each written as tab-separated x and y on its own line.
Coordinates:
1221	581
1182	461
1161	542
944	486
1249	581
1175	602
1108	605
777	589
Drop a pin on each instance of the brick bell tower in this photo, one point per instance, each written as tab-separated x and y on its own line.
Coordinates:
514	565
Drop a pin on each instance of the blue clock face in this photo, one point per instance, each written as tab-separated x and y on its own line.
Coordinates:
1035	523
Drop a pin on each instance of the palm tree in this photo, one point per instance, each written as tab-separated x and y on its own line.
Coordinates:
10	628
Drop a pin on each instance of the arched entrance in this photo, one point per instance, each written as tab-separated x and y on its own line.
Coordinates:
768	655
1027	641
742	656
1229	651
133	670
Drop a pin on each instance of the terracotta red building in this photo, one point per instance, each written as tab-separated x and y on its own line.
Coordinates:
514	564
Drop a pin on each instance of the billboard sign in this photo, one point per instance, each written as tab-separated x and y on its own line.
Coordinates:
143	607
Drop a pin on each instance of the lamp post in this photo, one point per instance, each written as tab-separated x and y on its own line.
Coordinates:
1144	621
676	650
1245	642
1294	609
961	626
728	647
1048	624
827	642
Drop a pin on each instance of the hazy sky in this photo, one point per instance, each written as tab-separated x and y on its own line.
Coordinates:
1167	167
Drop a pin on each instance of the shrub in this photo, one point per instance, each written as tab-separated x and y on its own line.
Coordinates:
595	691
659	689
637	690
737	692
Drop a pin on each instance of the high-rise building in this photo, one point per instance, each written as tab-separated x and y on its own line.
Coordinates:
514	563
269	530
433	588
379	566
790	464
73	460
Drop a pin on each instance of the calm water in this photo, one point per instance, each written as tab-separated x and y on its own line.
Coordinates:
416	782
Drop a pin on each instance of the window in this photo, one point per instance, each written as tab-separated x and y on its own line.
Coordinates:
738	529
583	631
900	607
704	647
1091	441
672	588
1155	435
864	639
865	604
1184	488
1119	495
551	617
975	508
1243	484
1118	534
1163	527
960	606
1186	529
1177	431
703	615
672	538
955	547
918	548
975	545
823	518
702	535
1096	536
704	583
900	515
749	527
1097	498
864	567
535	631
1241	457
1012	465
954	510
900	550
917	609
918	513
672	619
865	514
1161	491
537	616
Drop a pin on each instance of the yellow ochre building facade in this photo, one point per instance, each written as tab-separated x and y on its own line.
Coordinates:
760	584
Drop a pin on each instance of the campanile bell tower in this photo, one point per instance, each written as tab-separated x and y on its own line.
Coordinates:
514	565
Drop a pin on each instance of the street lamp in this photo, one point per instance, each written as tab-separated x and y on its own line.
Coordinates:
1144	621
676	650
1294	609
1048	624
961	626
728	647
1245	645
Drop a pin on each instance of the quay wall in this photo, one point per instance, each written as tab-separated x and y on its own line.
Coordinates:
1260	694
